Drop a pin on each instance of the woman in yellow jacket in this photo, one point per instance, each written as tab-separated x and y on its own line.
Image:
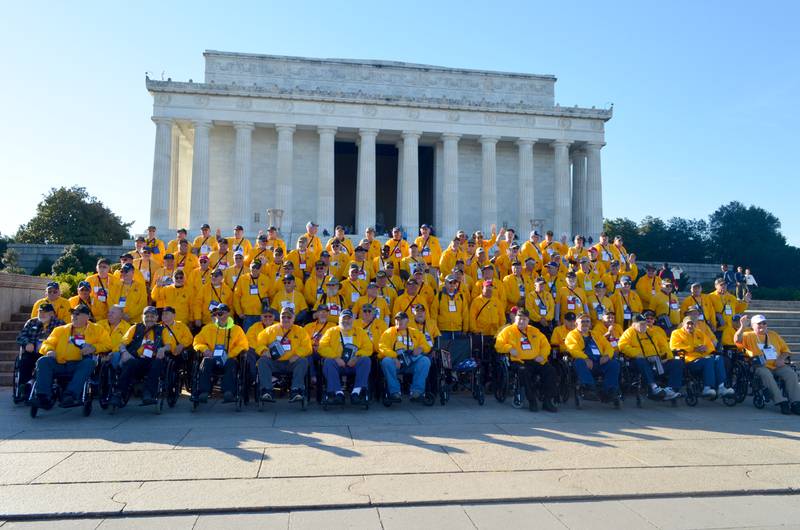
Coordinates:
593	355
527	346
346	349
650	353
402	350
219	344
283	348
698	350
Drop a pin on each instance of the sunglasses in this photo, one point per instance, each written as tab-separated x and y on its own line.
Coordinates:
288	281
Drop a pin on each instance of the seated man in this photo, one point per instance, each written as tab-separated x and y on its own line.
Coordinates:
219	343
771	353
700	357
346	350
650	353
69	351
527	345
593	355
560	332
401	351
142	355
33	333
283	348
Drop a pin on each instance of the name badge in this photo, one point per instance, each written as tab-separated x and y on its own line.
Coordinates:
333	309
701	317
302	266
354	297
652	291
770	353
100	293
542	311
626	315
148	349
78	340
728	310
222	265
570	306
426	251
397	253
362	275
525	344
347	340
254	289
606	256
613	342
122	301
451	306
286	344
480	274
146	275
673	306
595	351
219	350
205	249
587	285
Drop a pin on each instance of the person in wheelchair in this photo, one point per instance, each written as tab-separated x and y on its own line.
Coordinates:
560	332
219	343
177	337
701	358
651	356
29	339
402	350
593	355
453	314
69	351
527	346
346	350
283	348
422	323
142	354
771	355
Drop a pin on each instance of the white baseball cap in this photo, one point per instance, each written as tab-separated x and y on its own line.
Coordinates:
757	319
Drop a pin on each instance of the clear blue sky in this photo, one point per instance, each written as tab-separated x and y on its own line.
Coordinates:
704	92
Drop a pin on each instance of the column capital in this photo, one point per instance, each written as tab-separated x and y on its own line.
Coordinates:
411	134
595	145
489	139
202	124
525	141
562	143
368	132
451	137
326	129
285	127
244	125
160	120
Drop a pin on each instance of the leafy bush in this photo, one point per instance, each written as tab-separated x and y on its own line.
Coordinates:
68	282
45	266
74	259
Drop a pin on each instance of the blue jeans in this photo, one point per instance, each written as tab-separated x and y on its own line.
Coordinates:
419	367
333	373
712	368
47	368
249	320
451	335
609	371
673	370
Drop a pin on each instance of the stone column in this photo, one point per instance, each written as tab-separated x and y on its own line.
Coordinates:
399	200
525	189
162	169
594	191
579	193
325	184
241	211
450	187
409	215
283	183
198	205
365	194
175	177
562	218
488	181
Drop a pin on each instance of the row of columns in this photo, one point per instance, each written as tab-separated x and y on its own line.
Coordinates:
577	196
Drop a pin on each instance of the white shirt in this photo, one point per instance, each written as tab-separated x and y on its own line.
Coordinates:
750	280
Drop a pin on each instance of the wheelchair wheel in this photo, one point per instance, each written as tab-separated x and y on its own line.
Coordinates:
34	410
564	381
741	383
690	399
518	399
429	399
444	391
86	410
18	387
501	381
730	401
758	400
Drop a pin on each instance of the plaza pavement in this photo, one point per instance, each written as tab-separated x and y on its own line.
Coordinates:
385	460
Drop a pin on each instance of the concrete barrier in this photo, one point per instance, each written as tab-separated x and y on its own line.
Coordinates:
17	290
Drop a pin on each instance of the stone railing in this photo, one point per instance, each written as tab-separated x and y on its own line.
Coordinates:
17	290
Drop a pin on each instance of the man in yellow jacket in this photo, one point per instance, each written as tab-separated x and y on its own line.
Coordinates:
346	349
251	294
651	356
626	302
402	350
213	294
219	344
69	351
666	306
429	247
593	355
53	297
344	241
128	295
184	259
206	242
486	314
239	243
527	346
174	246
541	306
284	348
156	245
101	283
647	286
698	349
453	316
700	300
771	354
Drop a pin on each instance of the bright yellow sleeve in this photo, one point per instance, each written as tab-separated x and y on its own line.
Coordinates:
329	345
628	346
386	344
574	344
361	339
303	342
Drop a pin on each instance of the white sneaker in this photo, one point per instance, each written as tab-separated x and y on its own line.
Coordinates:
722	391
670	394
709	392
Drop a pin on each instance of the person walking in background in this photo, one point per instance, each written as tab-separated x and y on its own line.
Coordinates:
741	285
750	281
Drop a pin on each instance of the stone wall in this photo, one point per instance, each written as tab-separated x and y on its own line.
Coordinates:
697	272
31	255
17	290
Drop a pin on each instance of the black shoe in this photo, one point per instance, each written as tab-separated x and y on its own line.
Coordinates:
115	400
589	393
68	400
549	406
533	406
417	398
228	397
355	398
785	407
396	398
202	397
339	398
796	407
266	397
295	395
41	401
147	399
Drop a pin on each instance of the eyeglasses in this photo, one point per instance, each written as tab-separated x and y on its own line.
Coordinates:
288	281
366	310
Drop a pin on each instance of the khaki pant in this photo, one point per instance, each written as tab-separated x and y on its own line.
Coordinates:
789	379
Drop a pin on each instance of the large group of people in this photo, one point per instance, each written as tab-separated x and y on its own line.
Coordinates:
348	308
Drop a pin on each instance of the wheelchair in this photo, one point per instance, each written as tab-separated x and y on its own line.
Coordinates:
458	368
431	383
20	390
633	382
579	392
509	378
740	375
239	391
168	390
347	383
281	387
694	387
761	394
60	382
564	373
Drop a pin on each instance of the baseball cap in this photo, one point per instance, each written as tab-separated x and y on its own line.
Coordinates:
127	267
346	314
46	307
150	310
84	285
53	285
81	309
238	227
757	319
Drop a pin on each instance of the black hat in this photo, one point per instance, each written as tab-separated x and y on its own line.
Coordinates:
638	317
127	255
82	309
205	226
46	307
182	230
238	227
223	308
401	315
127	267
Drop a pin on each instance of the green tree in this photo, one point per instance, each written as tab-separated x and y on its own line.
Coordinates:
4	241
74	259
71	215
10	262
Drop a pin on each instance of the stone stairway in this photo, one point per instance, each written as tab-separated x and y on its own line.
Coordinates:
8	343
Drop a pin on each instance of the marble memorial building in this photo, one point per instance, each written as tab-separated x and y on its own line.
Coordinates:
371	143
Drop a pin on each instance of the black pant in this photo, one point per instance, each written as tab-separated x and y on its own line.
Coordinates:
547	377
210	366
26	366
137	368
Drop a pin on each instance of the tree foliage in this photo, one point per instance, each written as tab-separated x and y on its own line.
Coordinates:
72	216
74	259
735	234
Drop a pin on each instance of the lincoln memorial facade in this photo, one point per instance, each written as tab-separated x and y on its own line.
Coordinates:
371	143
